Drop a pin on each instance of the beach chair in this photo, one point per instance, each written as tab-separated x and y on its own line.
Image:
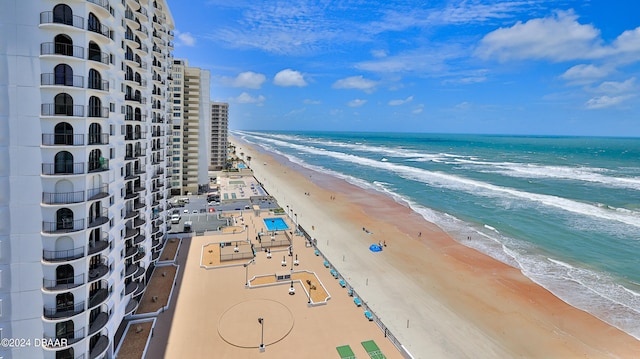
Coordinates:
345	352
350	292
326	264
368	315
357	301
317	252
334	273
373	350
342	283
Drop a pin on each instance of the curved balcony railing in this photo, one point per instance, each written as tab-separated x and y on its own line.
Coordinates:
99	347
63	283
58	48
62	139
99	165
52	79
101	29
63	168
97	272
99	245
54	109
98	219
130	232
102	3
62	197
98	322
98	56
47	17
62	255
102	85
56	342
132	305
64	226
98	111
98	297
98	192
130	251
63	311
130	288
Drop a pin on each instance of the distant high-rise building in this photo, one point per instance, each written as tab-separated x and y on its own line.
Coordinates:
190	101
83	186
219	134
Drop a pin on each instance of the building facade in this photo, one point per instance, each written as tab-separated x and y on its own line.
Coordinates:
83	184
190	102
219	135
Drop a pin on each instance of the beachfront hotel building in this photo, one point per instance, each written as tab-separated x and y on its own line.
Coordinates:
83	186
219	135
189	94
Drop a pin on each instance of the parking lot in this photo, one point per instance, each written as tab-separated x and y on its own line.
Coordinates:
204	217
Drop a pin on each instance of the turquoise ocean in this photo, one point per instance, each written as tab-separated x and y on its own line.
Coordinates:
564	210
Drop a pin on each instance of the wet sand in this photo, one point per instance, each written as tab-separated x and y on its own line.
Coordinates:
440	298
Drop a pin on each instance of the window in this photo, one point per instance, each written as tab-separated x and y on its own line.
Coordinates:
63	75
95	80
63	162
95	54
93	24
63	14
95	160
95	133
95	107
63	104
176	101
63	134
63	45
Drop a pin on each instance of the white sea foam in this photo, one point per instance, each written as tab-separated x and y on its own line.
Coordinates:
594	175
592	291
478	188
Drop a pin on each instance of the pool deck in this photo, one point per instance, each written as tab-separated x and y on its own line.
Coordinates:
217	306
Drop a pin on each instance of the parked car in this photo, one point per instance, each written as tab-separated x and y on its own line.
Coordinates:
185	211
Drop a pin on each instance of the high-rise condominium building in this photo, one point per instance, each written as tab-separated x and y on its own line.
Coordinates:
82	177
219	134
189	143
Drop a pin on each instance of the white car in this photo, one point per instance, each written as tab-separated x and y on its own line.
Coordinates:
195	211
185	211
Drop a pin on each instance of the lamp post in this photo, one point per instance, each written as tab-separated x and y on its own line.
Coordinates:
261	321
296	215
246	273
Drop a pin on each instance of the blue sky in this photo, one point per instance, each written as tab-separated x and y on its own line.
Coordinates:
459	66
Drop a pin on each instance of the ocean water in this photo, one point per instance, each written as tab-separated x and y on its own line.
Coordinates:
564	210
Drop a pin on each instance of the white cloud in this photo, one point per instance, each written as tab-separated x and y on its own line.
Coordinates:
246	79
605	101
289	78
463	105
378	53
612	87
186	39
247	98
418	109
400	102
355	82
581	74
356	103
556	38
312	102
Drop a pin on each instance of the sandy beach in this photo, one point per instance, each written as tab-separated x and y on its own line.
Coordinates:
440	298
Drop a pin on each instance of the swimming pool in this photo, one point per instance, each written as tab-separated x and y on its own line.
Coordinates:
275	224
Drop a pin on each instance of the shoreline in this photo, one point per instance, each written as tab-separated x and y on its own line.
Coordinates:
437	296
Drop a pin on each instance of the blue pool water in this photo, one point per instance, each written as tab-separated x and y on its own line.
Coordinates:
275	224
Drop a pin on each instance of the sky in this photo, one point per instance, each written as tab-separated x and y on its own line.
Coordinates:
524	67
